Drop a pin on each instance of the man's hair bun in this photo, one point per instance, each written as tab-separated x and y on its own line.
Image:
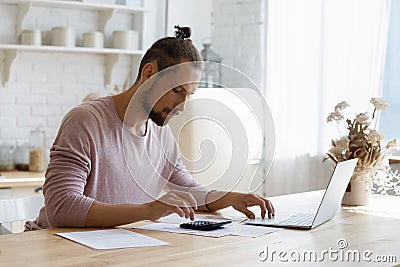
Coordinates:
182	33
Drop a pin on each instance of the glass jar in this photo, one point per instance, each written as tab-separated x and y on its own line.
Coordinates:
36	153
6	157
21	157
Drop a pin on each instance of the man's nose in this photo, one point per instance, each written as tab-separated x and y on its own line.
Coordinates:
181	104
180	107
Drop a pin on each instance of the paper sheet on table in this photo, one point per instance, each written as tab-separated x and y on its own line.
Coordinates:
250	230
112	239
232	229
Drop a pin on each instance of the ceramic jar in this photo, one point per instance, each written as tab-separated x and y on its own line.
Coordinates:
31	37
126	40
63	36
93	39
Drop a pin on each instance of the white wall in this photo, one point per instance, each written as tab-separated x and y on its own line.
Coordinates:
236	29
154	21
195	13
239	36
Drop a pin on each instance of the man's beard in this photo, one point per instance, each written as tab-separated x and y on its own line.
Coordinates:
157	118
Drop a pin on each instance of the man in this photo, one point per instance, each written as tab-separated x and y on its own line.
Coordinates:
113	157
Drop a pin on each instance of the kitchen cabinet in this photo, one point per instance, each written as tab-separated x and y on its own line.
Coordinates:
104	14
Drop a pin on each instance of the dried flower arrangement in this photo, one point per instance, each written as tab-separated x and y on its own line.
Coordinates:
363	141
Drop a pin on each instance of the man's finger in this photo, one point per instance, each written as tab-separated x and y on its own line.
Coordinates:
178	210
192	213
260	202
243	209
186	211
270	207
248	213
271	210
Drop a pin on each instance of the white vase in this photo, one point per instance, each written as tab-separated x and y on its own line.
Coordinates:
358	192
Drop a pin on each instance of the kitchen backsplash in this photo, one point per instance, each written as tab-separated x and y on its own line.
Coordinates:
45	85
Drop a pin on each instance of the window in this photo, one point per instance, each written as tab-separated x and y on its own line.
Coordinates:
390	119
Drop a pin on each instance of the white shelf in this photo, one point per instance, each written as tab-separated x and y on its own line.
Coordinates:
76	5
106	11
62	49
12	51
105	14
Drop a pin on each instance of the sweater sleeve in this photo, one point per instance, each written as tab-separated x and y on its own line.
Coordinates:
66	176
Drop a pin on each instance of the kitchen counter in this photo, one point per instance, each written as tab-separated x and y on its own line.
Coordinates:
21	179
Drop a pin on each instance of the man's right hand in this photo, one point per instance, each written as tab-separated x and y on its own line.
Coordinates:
179	202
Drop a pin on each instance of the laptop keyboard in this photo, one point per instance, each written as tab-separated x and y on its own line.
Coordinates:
298	219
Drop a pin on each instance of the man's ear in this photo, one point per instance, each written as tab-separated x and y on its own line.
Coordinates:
148	70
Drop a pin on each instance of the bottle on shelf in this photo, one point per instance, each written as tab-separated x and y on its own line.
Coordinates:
6	157
36	154
21	156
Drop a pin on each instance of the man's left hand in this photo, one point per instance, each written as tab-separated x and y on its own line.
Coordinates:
241	202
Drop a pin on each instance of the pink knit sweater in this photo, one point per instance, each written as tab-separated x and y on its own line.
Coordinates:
94	157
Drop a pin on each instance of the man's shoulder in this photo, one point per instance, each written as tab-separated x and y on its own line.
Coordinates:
90	107
88	111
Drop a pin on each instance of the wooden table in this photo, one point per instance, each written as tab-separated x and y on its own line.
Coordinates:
374	228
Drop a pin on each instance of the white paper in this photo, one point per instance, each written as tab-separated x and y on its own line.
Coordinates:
112	239
234	228
249	230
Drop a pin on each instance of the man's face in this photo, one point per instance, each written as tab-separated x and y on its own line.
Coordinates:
168	94
171	103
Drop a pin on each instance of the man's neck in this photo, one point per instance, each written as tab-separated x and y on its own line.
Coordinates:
136	118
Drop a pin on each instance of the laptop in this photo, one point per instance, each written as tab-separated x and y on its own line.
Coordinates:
327	208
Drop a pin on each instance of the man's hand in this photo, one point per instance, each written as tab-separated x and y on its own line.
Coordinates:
240	202
179	202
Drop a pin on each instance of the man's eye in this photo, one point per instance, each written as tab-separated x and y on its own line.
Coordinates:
176	90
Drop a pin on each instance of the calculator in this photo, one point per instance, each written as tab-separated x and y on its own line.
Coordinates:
203	225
